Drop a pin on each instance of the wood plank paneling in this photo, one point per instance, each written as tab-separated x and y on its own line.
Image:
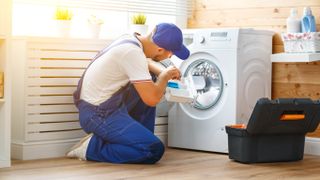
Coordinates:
316	133
288	79
232	4
289	90
306	73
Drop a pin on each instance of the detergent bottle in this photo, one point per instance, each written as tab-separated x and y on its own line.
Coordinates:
293	22
308	22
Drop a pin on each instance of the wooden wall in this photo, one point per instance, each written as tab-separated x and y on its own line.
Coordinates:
288	79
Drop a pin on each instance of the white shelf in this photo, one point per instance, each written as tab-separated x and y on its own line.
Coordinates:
295	57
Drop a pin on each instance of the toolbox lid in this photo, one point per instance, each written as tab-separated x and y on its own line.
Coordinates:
284	116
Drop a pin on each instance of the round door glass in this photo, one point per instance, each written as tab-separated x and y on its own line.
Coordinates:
207	82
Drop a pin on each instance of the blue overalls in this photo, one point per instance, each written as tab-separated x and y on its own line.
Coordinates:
123	126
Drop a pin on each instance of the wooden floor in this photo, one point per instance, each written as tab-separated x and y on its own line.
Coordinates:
176	164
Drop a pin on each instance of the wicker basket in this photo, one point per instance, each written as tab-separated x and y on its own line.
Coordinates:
301	42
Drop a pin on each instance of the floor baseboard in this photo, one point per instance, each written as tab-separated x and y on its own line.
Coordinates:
4	163
312	146
51	149
40	150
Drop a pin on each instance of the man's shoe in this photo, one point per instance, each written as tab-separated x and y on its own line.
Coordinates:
80	149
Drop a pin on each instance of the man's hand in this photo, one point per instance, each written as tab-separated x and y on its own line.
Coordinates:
150	92
170	72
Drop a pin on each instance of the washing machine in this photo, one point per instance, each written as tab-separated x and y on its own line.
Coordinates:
230	70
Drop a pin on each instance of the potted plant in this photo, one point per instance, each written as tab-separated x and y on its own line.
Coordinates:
63	17
95	24
138	24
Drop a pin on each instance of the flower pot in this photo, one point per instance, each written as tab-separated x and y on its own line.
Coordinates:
94	30
139	28
63	28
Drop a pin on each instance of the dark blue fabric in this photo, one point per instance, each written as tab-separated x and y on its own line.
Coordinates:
123	128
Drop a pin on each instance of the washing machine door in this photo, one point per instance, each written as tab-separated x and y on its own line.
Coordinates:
203	70
207	81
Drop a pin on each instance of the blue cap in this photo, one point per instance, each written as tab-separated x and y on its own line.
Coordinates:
169	37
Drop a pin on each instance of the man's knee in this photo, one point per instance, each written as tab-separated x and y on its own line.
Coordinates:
156	150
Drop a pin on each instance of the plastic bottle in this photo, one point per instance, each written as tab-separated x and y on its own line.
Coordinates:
308	22
293	22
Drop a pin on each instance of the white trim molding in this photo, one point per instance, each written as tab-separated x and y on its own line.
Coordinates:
312	146
40	150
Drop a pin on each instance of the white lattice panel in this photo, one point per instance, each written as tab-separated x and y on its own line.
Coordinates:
53	70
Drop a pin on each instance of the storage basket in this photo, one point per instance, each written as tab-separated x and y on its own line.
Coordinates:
301	42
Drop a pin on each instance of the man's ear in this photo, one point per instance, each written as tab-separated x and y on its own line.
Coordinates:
161	50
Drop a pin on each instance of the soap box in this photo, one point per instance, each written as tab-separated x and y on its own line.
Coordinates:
275	131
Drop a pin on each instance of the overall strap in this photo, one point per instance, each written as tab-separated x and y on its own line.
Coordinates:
106	49
76	94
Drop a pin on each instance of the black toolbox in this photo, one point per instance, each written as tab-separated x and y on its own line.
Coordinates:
275	132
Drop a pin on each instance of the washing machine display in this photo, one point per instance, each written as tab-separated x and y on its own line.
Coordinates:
207	81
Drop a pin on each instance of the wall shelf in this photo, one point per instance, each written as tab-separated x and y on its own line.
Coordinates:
295	57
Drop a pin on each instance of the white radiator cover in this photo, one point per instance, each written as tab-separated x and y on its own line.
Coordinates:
46	72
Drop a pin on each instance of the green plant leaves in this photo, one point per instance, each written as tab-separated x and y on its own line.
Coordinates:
139	18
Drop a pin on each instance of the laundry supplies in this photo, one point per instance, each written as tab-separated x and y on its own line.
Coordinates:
293	22
308	22
180	91
308	42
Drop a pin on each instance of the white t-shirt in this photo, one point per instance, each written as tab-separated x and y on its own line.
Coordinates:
113	70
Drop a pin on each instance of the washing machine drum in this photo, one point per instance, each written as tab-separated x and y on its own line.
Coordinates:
207	81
